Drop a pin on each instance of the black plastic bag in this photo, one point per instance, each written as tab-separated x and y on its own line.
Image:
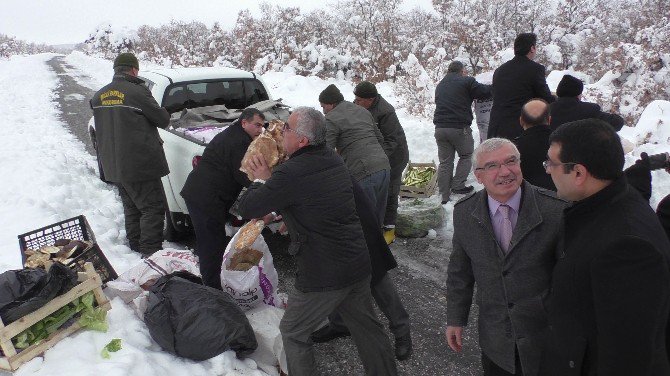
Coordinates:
26	290
194	321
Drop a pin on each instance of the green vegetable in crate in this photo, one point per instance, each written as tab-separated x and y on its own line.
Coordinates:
418	176
91	317
113	346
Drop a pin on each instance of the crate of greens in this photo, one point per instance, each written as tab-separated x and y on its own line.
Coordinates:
419	180
83	306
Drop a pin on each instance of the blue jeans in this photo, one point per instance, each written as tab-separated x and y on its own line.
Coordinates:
376	187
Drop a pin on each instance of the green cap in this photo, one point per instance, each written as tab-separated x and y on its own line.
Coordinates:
365	89
127	59
331	95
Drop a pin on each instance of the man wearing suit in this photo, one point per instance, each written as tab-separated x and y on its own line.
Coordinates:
514	83
610	297
505	240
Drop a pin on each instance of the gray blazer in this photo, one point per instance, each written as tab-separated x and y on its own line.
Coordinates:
351	129
510	287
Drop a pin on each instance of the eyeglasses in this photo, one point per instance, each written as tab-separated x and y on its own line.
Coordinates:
285	129
495	166
548	163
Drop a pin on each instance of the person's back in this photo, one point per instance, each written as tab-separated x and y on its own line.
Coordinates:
533	143
453	100
514	83
352	131
380	110
569	107
128	143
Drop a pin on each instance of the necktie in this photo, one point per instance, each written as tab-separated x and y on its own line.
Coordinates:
506	231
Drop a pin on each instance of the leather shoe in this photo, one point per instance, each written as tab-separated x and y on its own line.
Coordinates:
465	190
328	333
403	347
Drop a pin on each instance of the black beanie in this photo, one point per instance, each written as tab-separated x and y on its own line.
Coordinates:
127	59
331	95
365	89
569	86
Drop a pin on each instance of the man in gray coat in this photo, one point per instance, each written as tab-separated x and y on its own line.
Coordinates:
505	240
395	147
130	150
351	130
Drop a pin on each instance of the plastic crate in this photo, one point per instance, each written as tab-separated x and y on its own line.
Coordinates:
76	228
12	358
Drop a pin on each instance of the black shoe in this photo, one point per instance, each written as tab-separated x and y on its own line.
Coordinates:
465	190
403	347
328	333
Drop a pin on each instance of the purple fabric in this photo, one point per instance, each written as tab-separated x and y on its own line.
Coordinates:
503	227
266	286
506	227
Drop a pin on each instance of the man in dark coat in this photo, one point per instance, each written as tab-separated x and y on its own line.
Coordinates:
610	300
452	119
313	192
514	83
131	154
212	187
505	240
394	145
569	107
534	143
383	289
351	130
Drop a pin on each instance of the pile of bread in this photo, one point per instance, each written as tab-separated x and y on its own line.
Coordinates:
244	257
269	144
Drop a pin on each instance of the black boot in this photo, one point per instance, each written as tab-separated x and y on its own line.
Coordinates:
403	347
329	333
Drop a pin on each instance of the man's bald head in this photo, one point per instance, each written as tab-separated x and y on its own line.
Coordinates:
535	112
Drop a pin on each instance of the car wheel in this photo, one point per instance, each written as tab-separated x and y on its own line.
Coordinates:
170	232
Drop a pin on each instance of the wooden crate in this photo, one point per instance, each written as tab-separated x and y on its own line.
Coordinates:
414	192
89	281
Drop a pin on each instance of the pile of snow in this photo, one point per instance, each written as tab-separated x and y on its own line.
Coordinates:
48	177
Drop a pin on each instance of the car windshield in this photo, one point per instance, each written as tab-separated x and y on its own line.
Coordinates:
234	94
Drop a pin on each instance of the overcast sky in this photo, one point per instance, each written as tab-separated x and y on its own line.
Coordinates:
70	21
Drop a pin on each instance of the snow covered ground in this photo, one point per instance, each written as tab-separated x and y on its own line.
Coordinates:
48	177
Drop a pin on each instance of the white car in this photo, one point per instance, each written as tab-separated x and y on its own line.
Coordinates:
195	97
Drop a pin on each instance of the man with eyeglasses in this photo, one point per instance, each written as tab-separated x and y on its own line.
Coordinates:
212	187
610	298
314	193
505	240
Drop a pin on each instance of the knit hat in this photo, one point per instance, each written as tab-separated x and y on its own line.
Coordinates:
127	59
365	89
331	95
569	86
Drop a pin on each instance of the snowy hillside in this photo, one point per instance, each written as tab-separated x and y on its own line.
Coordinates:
48	176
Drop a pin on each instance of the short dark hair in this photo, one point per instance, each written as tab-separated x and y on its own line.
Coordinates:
523	43
592	143
455	67
541	119
249	114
